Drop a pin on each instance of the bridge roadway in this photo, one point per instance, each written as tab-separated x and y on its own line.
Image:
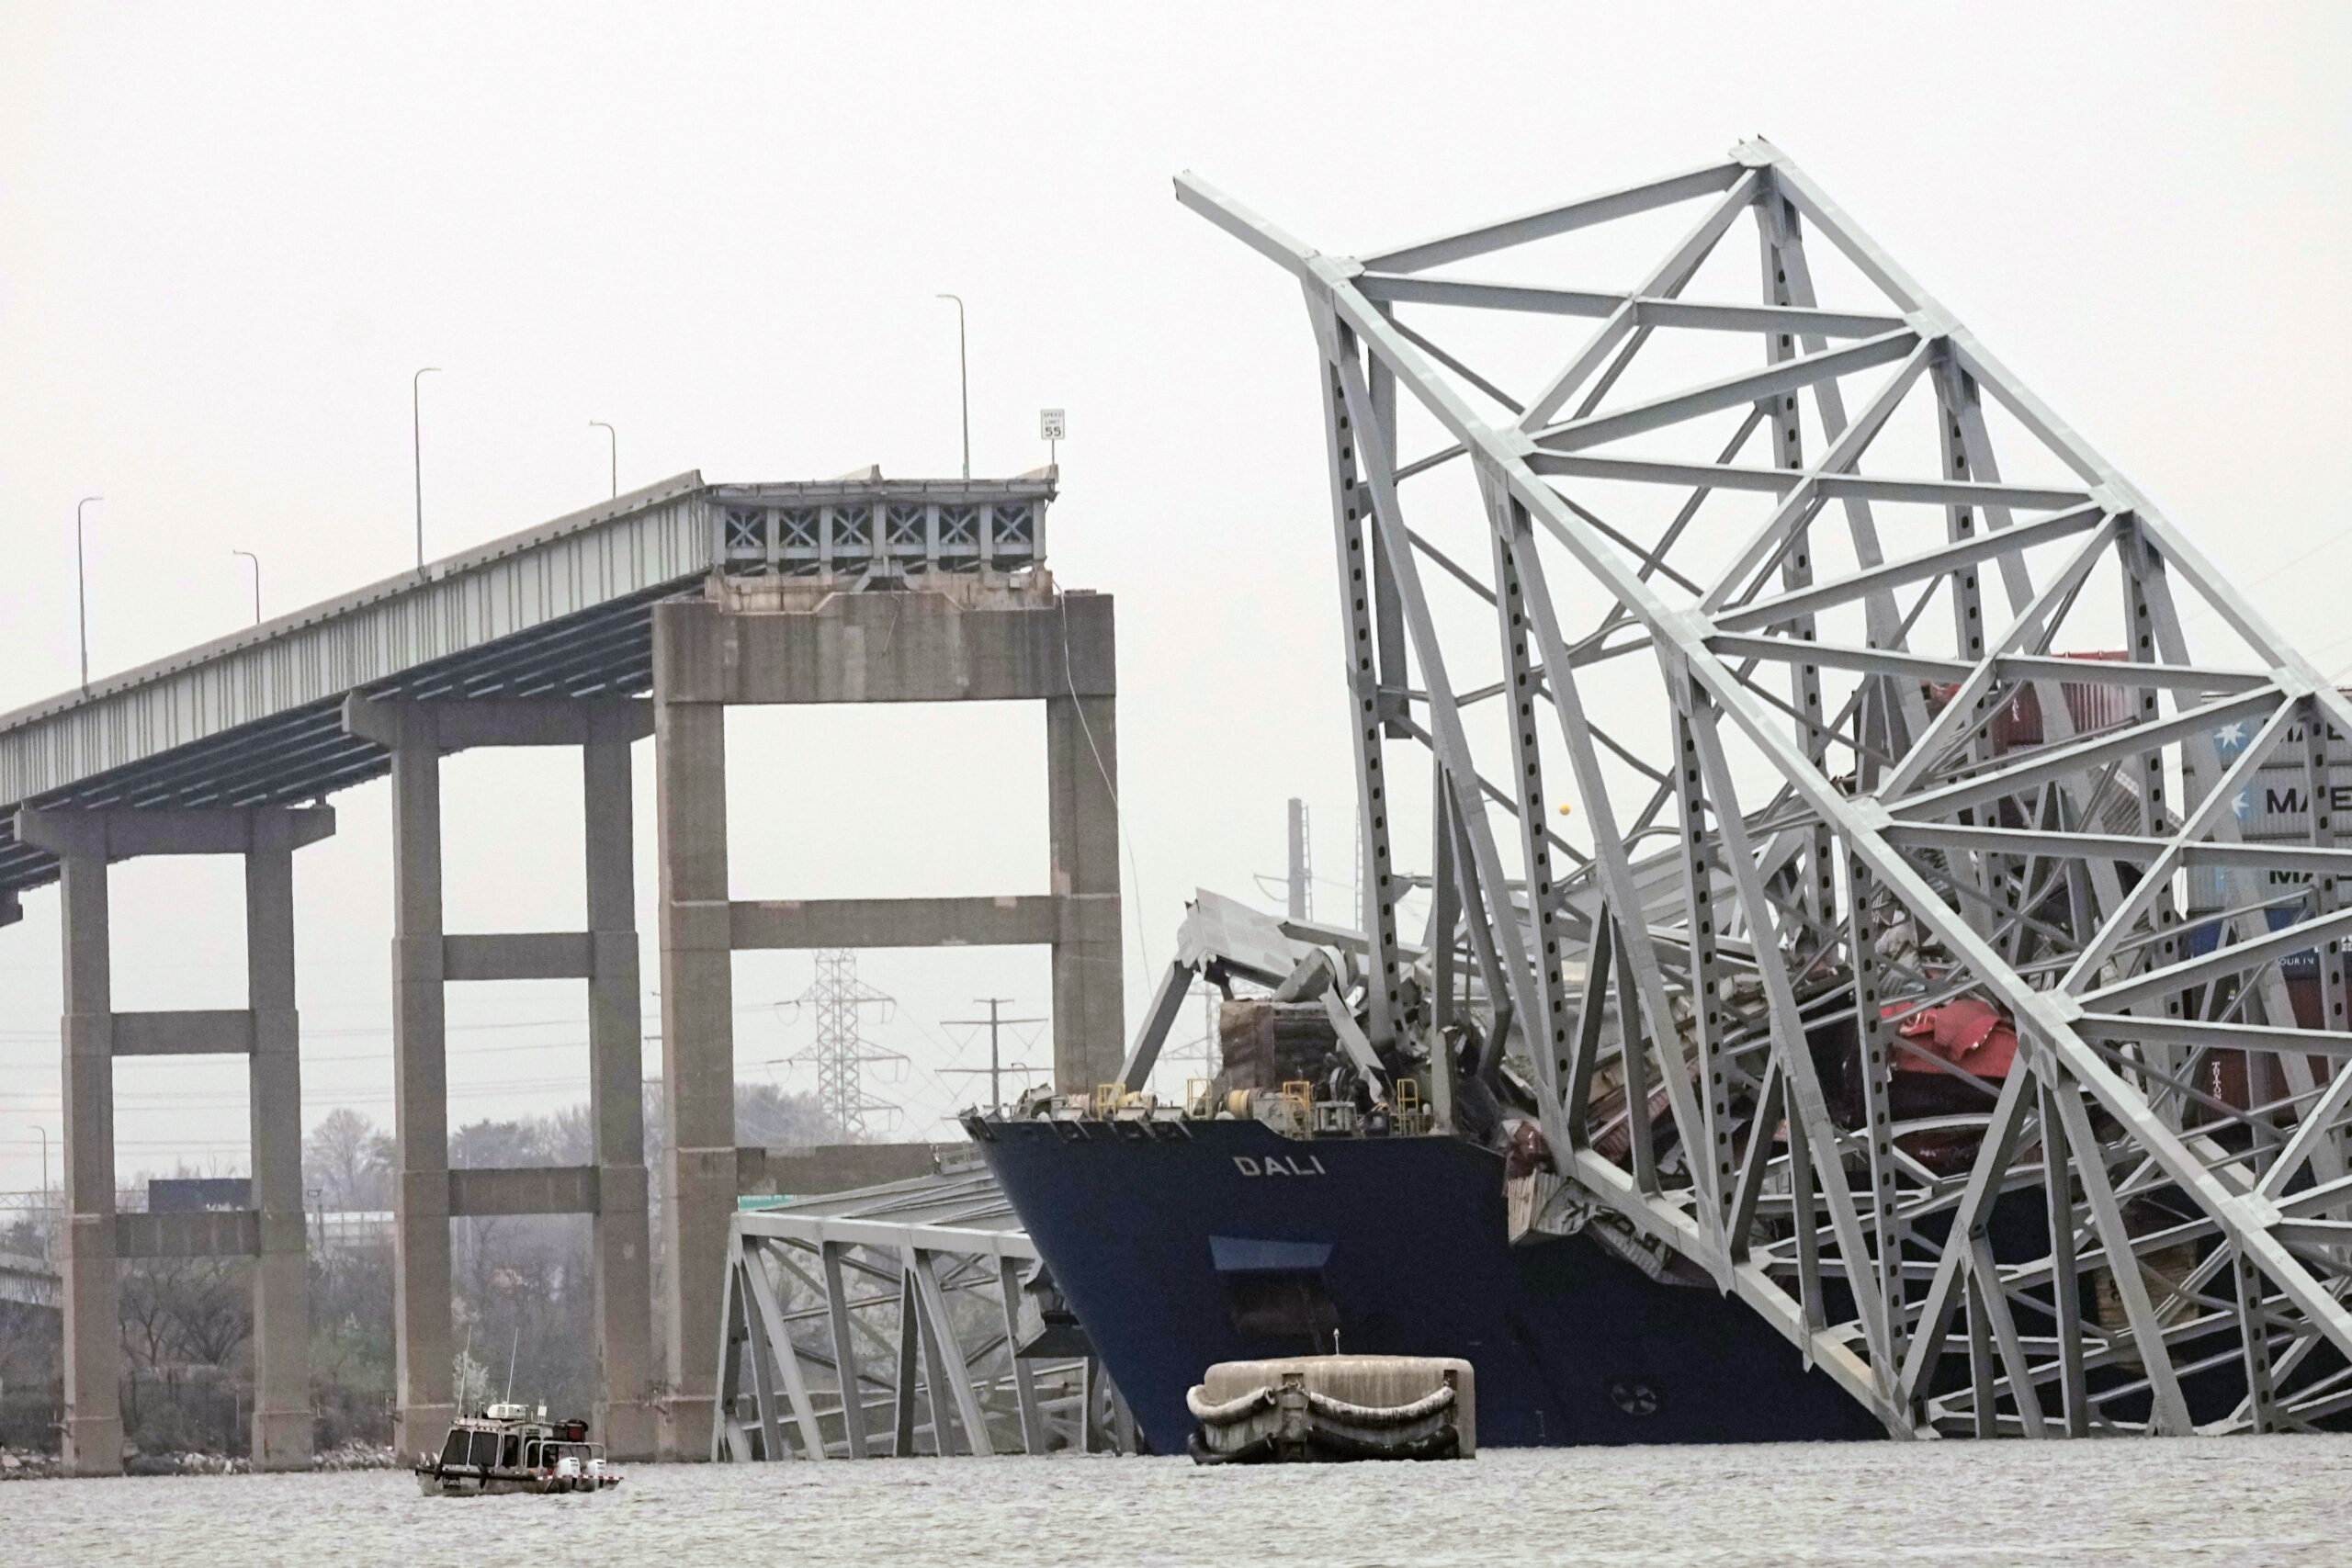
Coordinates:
647	616
27	1281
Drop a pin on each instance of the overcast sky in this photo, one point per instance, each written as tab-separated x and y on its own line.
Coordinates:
228	235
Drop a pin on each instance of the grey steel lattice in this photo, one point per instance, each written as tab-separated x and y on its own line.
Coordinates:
1824	780
873	529
836	999
907	1303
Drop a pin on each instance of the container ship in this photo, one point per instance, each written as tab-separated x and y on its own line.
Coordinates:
1716	1126
1317	1195
1181	1242
1280	1209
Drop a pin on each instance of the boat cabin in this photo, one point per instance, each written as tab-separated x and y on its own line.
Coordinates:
509	1449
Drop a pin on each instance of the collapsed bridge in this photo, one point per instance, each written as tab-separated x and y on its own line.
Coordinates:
1944	952
647	617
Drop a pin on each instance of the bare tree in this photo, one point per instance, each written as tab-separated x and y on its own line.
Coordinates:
211	1308
347	1160
767	1117
145	1295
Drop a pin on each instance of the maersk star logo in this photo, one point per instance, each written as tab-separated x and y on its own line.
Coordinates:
2230	739
2242	804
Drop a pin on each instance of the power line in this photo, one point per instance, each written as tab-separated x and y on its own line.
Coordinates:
947	1099
384	1031
997	1065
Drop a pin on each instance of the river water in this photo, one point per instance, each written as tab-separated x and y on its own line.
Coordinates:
2271	1501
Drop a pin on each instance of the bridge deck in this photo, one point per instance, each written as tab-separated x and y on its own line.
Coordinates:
558	610
29	1281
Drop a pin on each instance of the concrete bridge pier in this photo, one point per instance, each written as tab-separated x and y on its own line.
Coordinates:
938	637
1081	788
428	1194
265	1031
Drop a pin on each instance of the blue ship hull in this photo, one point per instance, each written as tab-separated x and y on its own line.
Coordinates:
1154	1241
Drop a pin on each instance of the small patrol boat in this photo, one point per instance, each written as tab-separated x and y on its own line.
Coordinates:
508	1449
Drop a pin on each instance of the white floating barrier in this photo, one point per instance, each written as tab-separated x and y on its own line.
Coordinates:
1311	1408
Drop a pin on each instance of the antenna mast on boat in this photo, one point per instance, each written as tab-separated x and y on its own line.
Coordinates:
512	1351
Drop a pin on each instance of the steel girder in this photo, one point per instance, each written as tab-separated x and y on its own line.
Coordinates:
1825	784
904	1300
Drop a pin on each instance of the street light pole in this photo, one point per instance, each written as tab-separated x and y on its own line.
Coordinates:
964	379
613	444
416	444
256	561
48	1218
82	591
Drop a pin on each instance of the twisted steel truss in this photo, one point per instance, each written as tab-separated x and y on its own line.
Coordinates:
901	1302
1742	576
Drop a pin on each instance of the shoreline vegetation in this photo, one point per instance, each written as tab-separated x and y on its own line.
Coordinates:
32	1464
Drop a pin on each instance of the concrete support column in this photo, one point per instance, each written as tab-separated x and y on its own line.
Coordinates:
1089	1006
418	733
281	1420
782	642
86	842
93	1318
697	1012
423	1382
624	1416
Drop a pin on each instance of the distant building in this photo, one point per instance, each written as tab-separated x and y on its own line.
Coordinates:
199	1195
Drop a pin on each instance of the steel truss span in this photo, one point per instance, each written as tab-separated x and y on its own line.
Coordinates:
912	1303
1896	725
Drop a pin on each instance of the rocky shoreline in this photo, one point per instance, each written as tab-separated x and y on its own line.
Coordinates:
31	1464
